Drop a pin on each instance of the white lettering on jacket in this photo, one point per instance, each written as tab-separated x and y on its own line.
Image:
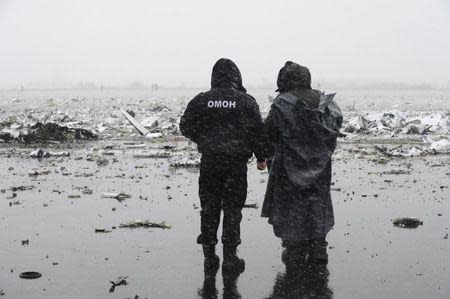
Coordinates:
222	104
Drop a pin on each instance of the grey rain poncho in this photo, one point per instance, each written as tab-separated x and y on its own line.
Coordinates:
303	125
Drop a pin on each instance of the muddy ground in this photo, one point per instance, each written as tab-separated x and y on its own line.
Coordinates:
369	257
51	228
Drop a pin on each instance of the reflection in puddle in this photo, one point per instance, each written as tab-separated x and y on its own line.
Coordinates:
230	290
302	279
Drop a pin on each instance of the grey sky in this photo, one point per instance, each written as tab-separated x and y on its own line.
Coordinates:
62	42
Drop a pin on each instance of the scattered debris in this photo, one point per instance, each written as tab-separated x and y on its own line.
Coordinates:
146	224
400	151
441	146
407	222
396	171
22	188
86	190
30	275
101	161
119	196
118	282
251	205
41	132
154	154
139	127
131	112
13	195
396	122
185	161
38	173
133	145
158	120
39	153
6	137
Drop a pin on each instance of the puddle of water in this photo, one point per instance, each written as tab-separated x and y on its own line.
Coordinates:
369	256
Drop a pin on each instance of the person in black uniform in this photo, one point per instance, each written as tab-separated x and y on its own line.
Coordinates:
226	124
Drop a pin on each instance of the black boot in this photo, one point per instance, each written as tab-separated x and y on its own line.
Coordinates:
230	290
209	289
231	262
212	261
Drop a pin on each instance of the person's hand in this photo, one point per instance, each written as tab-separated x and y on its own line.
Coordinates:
261	165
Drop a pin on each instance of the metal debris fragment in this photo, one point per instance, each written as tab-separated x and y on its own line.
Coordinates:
121	280
119	196
251	205
146	223
30	275
407	222
21	188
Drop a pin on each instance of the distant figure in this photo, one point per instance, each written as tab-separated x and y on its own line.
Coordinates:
303	125
226	124
154	86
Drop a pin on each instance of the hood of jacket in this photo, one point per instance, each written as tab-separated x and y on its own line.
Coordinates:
293	75
225	73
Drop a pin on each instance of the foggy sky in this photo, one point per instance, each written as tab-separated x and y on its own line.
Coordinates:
61	42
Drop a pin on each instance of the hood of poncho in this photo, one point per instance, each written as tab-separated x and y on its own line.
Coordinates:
293	75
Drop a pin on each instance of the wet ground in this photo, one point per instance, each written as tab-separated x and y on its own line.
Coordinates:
52	227
369	257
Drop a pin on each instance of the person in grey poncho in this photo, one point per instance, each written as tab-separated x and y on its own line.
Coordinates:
303	125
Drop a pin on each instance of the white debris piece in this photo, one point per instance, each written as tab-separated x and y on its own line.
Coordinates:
153	135
39	153
440	146
185	160
396	122
151	122
141	145
415	152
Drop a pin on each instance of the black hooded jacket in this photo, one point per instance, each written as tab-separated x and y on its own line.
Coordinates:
225	121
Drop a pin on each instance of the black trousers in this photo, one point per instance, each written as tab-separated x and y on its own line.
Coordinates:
222	186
